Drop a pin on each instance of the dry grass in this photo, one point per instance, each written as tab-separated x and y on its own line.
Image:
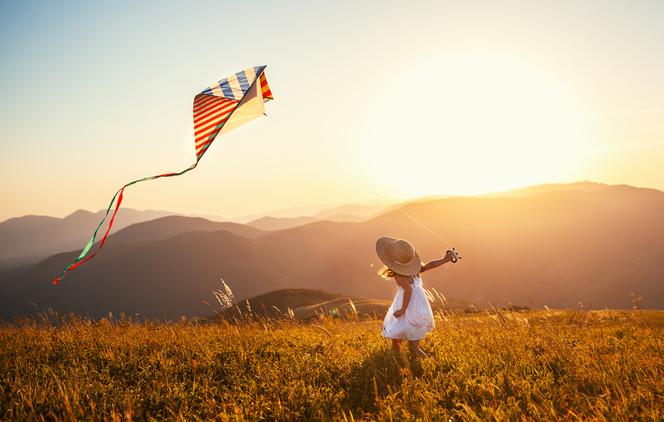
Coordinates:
503	365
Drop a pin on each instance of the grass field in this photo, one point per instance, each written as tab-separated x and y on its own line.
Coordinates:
502	365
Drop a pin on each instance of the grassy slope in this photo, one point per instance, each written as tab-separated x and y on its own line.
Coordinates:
546	365
308	303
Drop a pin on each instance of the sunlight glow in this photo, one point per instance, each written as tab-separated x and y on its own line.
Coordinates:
471	125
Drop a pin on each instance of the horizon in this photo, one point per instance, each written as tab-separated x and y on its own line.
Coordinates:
578	98
293	212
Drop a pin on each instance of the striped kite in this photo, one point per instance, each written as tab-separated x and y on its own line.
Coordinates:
219	108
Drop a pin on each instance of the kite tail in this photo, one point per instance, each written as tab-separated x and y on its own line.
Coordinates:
83	256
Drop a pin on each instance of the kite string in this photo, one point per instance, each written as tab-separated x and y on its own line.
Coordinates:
82	256
446	269
419	223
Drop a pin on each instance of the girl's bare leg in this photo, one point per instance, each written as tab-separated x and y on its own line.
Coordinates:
414	346
396	345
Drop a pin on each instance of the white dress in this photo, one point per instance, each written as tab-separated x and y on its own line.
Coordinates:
418	319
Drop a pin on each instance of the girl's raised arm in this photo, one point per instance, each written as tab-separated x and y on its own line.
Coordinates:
437	262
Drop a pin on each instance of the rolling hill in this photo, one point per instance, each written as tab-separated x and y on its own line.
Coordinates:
165	227
307	303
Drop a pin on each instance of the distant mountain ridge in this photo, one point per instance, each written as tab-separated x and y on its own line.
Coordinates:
173	225
353	212
554	248
585	186
279	223
34	235
27	239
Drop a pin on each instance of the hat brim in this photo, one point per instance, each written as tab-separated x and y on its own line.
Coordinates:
414	266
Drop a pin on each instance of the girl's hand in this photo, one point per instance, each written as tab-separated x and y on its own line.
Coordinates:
452	256
399	313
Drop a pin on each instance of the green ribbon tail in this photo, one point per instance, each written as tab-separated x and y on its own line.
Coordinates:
83	256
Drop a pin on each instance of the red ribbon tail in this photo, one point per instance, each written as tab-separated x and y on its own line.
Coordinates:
110	223
76	264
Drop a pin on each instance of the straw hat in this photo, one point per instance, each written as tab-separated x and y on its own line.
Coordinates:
398	255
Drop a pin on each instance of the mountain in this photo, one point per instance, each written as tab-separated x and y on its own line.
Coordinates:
554	248
173	276
293	212
551	187
352	212
279	223
165	227
348	212
34	236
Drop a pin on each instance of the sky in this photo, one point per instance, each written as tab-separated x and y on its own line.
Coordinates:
374	101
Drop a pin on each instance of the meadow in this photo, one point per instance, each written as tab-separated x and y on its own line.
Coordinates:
497	365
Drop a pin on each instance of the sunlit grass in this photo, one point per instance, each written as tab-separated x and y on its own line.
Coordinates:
497	365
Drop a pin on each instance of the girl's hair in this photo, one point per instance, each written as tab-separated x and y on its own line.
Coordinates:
386	273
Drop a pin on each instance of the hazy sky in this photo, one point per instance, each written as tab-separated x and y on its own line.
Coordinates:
373	100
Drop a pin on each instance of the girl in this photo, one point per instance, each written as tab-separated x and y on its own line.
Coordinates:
410	316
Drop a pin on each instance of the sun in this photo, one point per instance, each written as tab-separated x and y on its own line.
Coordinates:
469	125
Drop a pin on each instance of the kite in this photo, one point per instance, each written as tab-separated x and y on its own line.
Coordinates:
219	108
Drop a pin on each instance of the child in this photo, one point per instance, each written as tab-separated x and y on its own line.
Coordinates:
410	316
